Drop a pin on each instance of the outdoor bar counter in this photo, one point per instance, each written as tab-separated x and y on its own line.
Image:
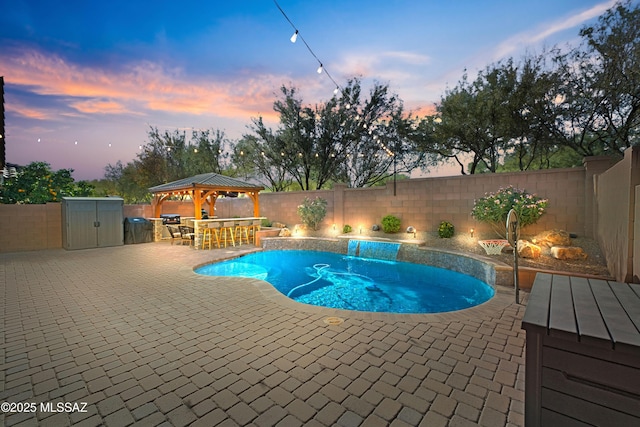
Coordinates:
583	352
199	224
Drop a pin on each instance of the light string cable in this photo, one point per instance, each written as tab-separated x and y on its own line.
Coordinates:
296	35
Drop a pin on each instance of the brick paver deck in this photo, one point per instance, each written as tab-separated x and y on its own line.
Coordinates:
140	339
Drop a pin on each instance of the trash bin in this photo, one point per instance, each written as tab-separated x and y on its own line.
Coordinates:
137	230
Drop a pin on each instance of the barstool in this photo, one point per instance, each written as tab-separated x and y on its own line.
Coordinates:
226	233
211	231
242	231
255	227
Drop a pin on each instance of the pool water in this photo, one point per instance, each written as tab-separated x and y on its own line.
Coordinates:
353	283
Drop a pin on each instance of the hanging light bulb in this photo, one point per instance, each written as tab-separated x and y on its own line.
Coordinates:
294	37
319	70
335	91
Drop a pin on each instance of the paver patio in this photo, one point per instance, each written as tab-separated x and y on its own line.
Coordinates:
140	338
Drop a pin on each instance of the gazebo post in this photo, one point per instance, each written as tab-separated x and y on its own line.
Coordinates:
158	198
196	196
256	203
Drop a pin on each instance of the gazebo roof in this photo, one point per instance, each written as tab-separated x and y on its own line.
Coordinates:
209	181
203	187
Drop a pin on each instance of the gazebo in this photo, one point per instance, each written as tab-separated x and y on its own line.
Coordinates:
204	188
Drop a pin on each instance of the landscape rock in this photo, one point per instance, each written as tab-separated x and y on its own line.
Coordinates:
568	253
528	250
285	232
552	238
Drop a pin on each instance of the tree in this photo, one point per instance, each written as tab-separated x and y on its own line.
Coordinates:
466	120
348	139
379	139
125	182
36	183
206	152
600	112
508	114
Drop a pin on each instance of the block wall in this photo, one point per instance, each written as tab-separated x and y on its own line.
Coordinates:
423	203
30	227
616	210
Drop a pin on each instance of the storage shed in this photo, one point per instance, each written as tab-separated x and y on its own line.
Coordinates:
92	222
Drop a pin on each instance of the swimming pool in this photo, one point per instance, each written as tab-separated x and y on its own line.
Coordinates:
354	283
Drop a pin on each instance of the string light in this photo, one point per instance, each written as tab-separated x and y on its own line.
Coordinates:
296	35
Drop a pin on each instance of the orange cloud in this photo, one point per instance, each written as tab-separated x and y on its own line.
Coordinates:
26	111
95	106
142	86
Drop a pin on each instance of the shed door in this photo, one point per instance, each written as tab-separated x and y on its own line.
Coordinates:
110	230
81	217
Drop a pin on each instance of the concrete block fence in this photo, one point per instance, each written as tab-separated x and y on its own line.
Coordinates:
596	200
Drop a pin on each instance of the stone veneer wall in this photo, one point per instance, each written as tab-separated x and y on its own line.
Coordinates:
481	268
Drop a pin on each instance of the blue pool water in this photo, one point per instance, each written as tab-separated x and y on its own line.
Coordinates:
354	283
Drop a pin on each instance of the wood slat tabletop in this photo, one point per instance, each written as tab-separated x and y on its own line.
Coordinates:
591	309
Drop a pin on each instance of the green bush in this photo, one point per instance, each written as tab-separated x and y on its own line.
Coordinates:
347	229
264	222
445	230
390	224
312	212
493	208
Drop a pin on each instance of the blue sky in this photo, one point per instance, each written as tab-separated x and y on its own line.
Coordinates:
84	80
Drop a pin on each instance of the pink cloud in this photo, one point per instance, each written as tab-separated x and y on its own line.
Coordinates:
142	86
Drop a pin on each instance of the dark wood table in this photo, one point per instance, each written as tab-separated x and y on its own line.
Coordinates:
583	352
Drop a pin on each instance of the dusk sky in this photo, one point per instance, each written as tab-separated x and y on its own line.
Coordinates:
84	80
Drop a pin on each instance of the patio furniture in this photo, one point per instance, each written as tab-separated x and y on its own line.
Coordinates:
174	233
209	233
227	233
254	228
582	352
186	234
241	231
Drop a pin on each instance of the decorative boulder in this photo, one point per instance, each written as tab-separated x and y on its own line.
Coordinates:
552	238
278	225
568	252
285	232
528	250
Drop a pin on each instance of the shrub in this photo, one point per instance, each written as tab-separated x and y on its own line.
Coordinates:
445	229
312	212
390	224
493	208
346	229
264	222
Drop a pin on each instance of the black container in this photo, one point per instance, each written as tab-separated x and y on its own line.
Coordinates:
137	230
